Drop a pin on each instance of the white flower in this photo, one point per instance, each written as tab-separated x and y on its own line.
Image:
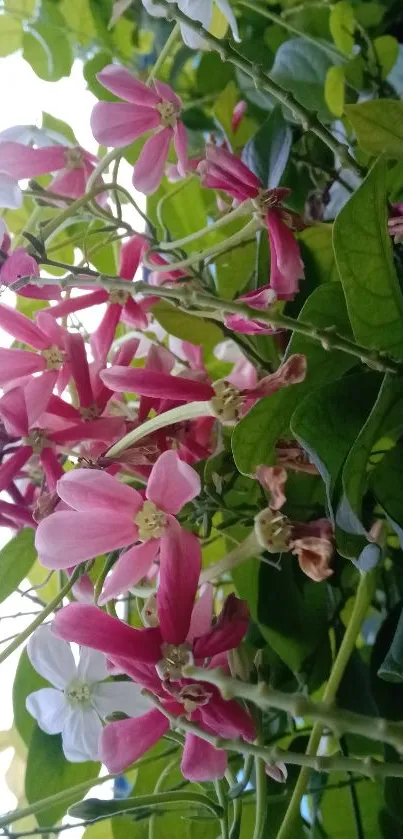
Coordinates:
200	10
10	193
80	698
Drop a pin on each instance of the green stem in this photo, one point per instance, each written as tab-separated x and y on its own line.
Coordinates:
169	43
158	786
28	227
223	801
113	807
261	788
245	550
25	634
235	828
69	211
363	599
183	412
262	81
208	253
210	228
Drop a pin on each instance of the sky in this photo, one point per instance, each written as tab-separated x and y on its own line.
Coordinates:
22	103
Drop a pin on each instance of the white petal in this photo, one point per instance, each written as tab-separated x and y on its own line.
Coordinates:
51	657
50	709
10	193
81	734
225	8
120	696
191	38
153	9
92	666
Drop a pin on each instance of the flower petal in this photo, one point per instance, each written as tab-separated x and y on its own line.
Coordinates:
131	567
103	336
88	490
130	256
81	735
64	539
93	628
22	328
124	741
228	718
92	666
123	84
227	633
226	9
49	707
10	193
126	697
172	483
202	614
201	761
16	364
180	564
51	657
149	169
12	465
286	266
118	124
180	143
166	93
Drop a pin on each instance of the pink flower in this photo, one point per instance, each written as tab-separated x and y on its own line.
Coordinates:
19	263
108	515
222	170
119	303
74	166
227	402
144	109
50	341
273	479
155	658
238	114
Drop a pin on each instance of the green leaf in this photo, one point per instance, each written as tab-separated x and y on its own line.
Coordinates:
26	681
10	34
223	109
378	126
327	423
77	14
254	437
267	152
388	695
337	813
342	26
387	485
187	327
369	13
386	416
301	67
334	90
182	210
48	772
234	268
391	669
212	74
387	50
58	127
318	254
90	70
47	48
16	559
364	257
23	8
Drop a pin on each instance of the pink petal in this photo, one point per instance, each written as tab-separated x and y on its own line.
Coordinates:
273	480
91	627
22	328
54	333
19	264
131	567
16	364
126	352
79	368
154	383
149	169
135	315
291	372
180	143
202	614
180	564
166	93
11	466
22	161
13	412
106	429
64	539
87	490
77	304
286	266
51	467
38	392
118	124
123	84
172	483
234	167
102	338
238	114
123	742
70	182
227	633
227	718
201	761
243	375
130	256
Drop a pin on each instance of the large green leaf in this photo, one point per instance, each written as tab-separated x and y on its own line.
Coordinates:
328	421
301	67
48	772
11	33
267	152
16	559
26	681
46	46
254	438
342	25
364	258
80	22
318	254
378	125
387	485
187	327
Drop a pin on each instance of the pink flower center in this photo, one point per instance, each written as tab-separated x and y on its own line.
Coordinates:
54	357
174	659
193	697
168	114
74	158
273	531
37	440
117	295
149	614
227	402
151	522
90	413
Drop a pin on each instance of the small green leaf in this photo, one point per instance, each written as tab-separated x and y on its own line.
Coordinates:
387	485
47	49
255	436
26	681
388	695
93	66
391	669
334	90
369	13
16	559
187	327
10	34
267	152
58	127
342	26
387	50
80	22
364	258
48	772
378	126
23	8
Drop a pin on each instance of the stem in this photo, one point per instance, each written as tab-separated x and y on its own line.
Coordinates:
158	786
362	601
261	789
184	412
169	43
51	800
222	799
25	634
113	807
246	550
69	211
262	81
208	253
28	227
210	228
236	804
